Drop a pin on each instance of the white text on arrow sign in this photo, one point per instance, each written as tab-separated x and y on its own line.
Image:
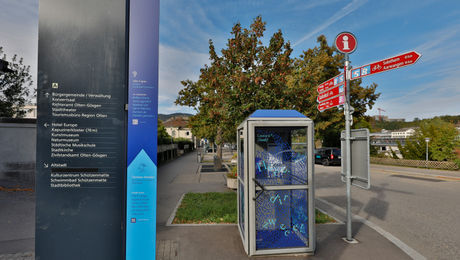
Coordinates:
395	62
330	103
330	93
330	83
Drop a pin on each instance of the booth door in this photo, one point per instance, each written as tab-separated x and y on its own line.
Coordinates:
280	182
241	190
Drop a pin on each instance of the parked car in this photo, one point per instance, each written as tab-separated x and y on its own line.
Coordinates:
209	148
328	156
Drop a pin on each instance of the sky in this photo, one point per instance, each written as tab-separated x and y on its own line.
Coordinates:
383	29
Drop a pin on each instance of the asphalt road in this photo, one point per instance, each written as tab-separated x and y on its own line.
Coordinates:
417	206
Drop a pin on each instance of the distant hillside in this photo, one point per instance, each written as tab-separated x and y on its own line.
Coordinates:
164	117
377	125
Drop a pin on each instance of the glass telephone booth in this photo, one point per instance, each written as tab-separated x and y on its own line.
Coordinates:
275	183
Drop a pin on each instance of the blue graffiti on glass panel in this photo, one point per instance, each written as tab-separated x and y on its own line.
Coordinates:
278	164
282	219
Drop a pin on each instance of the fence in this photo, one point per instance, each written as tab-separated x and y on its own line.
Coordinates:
166	152
416	163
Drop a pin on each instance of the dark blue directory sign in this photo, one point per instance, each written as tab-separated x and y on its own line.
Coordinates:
141	194
96	161
81	130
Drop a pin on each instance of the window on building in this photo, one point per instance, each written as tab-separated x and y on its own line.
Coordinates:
187	133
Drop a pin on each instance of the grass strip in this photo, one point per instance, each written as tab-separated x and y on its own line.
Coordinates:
209	208
322	218
218	208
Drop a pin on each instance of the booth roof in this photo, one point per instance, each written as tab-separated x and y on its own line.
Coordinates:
276	113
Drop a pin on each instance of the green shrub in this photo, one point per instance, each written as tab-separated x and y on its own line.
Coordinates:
233	174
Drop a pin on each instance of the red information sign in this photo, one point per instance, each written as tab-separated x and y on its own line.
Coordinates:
331	83
399	61
346	42
330	93
333	102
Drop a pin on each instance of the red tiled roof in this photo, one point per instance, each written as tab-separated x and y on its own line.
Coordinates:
176	122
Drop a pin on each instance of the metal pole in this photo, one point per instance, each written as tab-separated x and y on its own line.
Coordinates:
347	145
426	155
427	140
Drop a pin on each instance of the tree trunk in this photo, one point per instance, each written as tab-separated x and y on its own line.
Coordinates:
218	157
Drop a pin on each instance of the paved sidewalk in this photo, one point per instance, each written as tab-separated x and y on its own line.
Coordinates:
223	242
17	220
216	242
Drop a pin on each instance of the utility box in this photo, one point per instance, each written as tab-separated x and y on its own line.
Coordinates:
275	183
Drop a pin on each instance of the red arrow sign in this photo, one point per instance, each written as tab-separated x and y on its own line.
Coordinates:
330	93
333	102
330	83
384	65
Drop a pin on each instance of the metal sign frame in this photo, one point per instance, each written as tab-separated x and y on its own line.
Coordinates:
360	173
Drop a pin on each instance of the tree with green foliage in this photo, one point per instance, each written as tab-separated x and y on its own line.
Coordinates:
451	119
14	87
249	75
203	127
378	125
246	76
312	68
441	147
162	136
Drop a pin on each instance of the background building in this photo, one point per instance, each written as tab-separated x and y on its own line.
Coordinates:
403	133
177	127
31	111
387	141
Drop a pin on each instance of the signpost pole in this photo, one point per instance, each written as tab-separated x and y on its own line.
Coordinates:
329	96
347	142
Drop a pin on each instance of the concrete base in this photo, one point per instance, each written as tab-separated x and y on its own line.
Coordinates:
352	241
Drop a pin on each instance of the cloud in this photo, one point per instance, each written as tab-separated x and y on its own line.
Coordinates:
189	25
434	49
431	87
438	97
176	65
425	107
355	4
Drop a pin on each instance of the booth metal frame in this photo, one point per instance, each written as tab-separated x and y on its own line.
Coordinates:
247	130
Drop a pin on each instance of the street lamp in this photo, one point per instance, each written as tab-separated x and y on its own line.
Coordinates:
427	140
